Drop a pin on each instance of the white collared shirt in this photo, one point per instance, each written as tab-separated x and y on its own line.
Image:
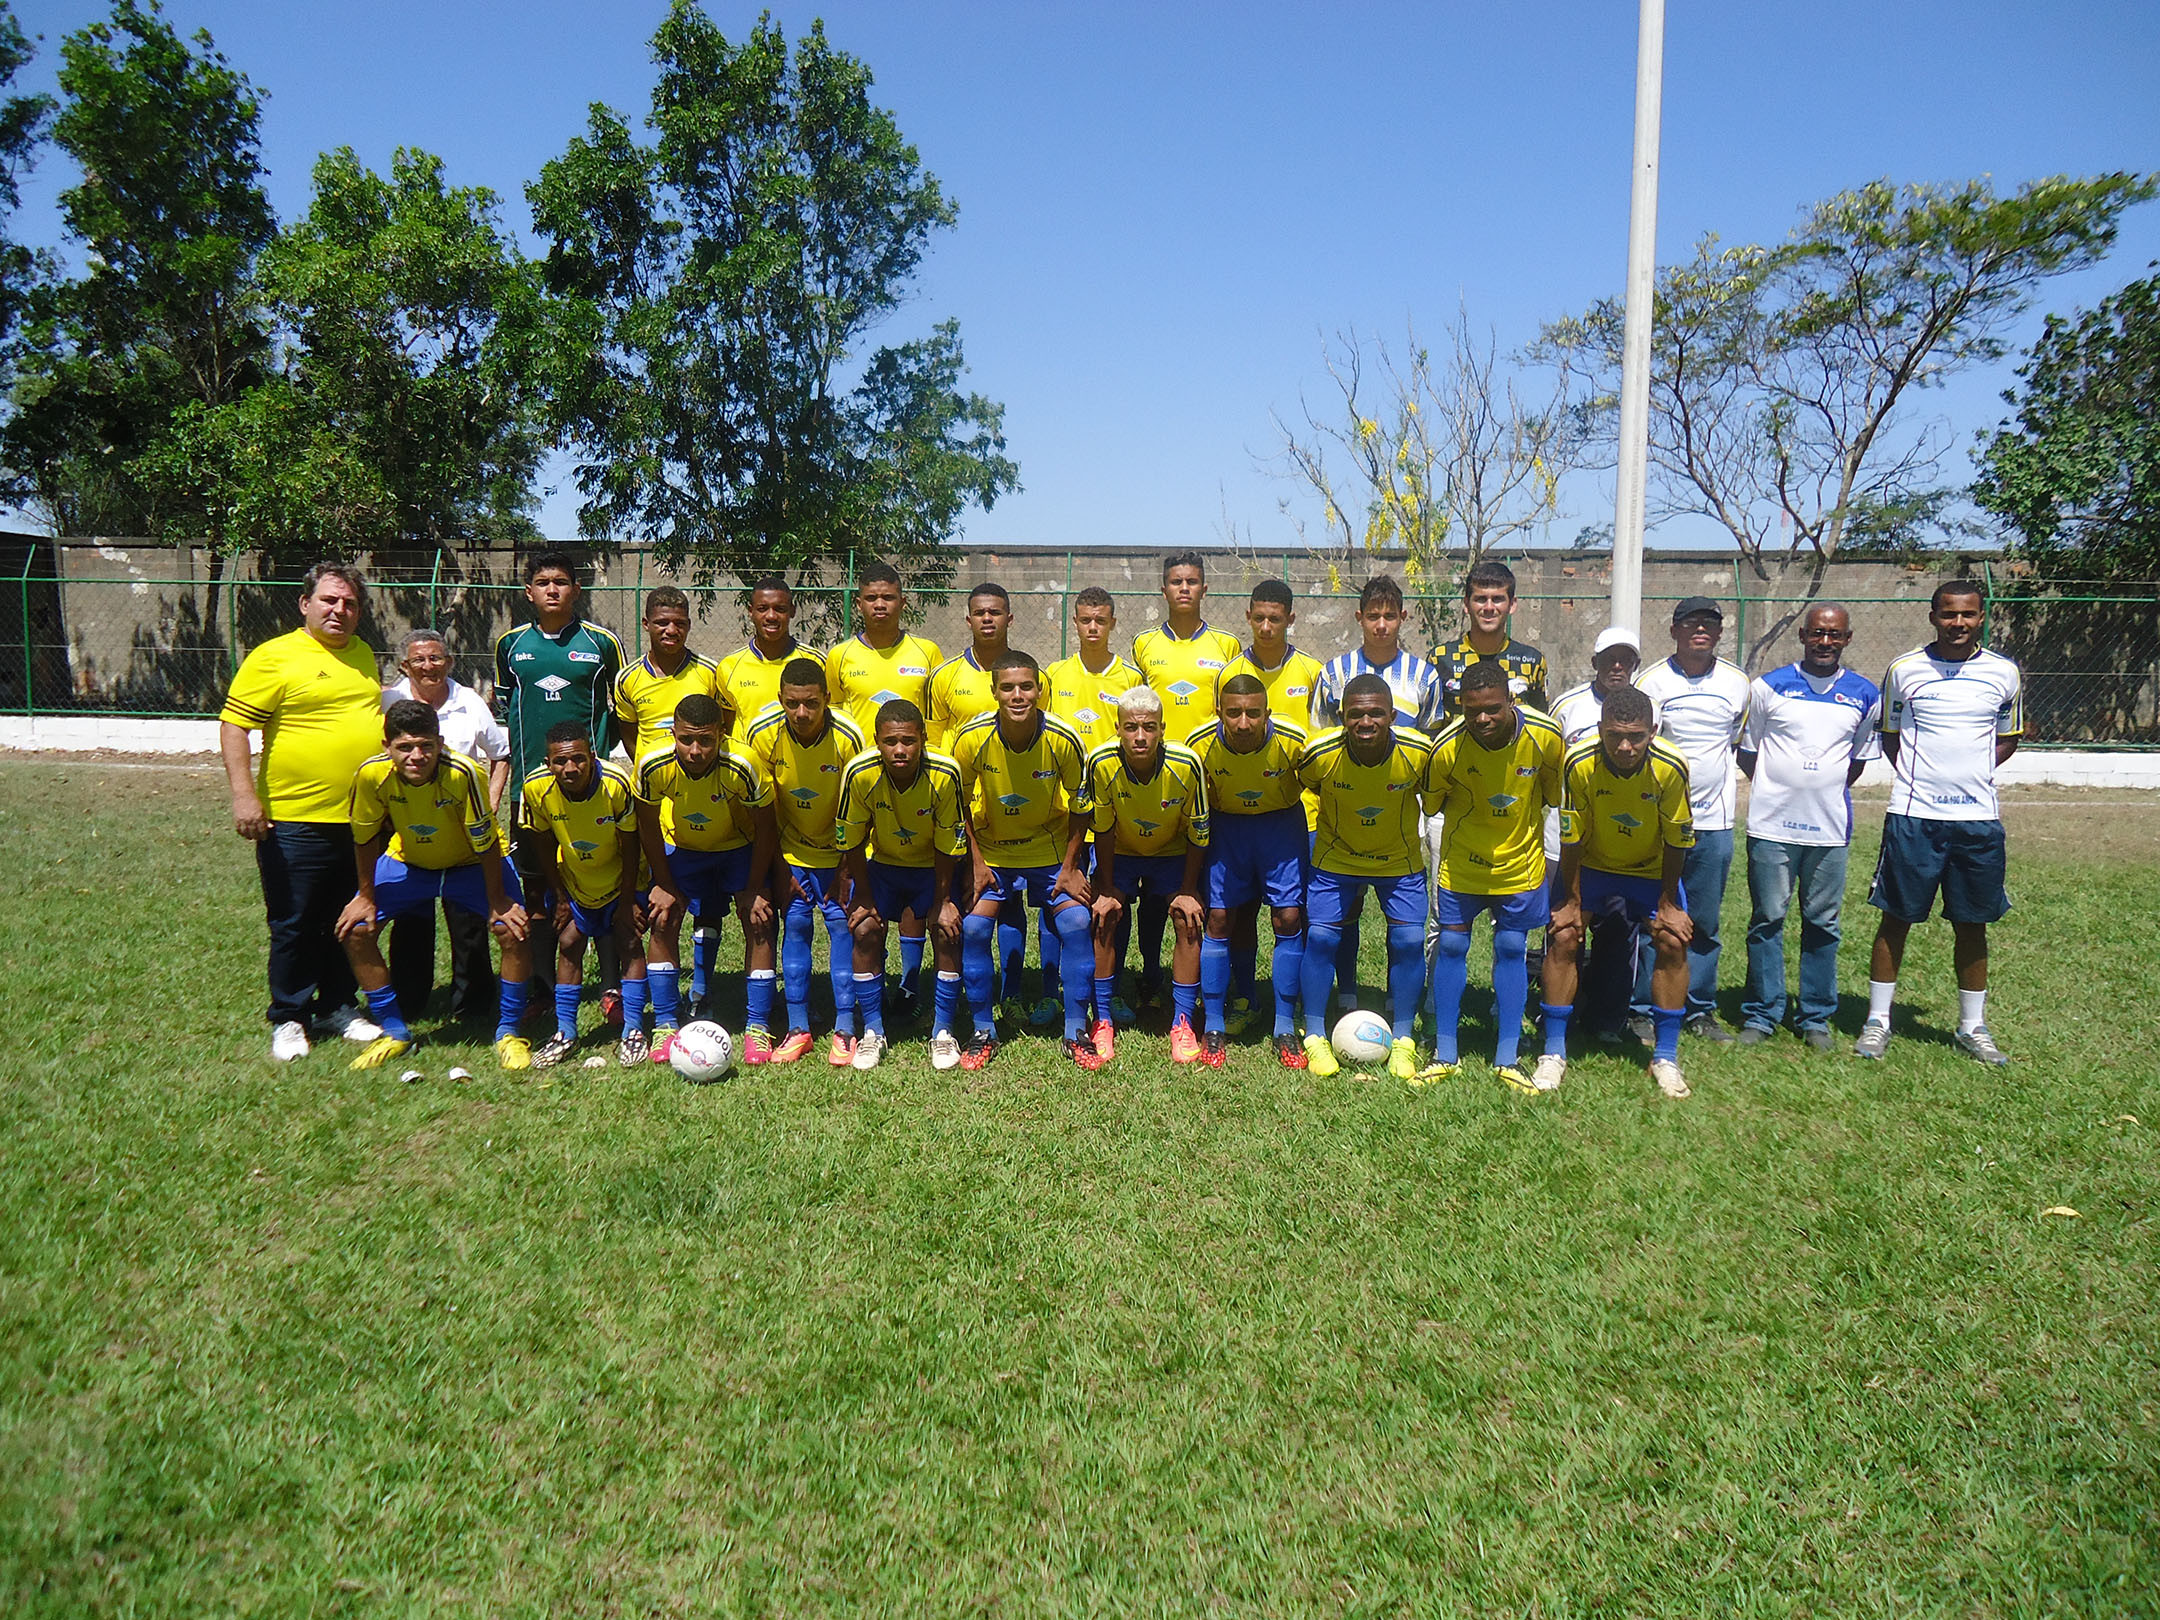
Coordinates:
468	727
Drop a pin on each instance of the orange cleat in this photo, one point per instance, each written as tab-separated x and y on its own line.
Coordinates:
793	1047
841	1054
1184	1044
1104	1035
756	1046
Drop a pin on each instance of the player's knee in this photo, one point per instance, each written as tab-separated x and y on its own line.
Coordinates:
867	931
1218	924
1287	921
1562	942
977	931
1509	944
1455	942
1403	937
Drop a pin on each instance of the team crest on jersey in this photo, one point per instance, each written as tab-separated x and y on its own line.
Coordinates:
1250	795
1012	802
1182	689
1147	828
1500	801
554	686
1625	821
1368	814
889	695
697	818
423	829
1085	716
802	795
584	846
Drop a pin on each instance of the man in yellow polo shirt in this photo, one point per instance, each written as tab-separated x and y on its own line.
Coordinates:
314	696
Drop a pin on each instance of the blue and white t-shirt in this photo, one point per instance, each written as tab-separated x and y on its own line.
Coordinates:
1947	717
1805	731
1419	699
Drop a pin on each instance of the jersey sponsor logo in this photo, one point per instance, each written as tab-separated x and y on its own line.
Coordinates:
829	770
584	658
1207	663
1043	776
521	658
917	670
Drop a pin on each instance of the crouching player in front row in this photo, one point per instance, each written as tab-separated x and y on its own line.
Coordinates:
898	834
1151	838
1258	849
1625	830
590	868
709	791
1495	770
1023	779
436	803
1369	774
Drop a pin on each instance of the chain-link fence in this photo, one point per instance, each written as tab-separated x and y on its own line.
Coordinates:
122	629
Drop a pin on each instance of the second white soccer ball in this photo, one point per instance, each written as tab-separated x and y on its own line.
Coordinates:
702	1051
1362	1037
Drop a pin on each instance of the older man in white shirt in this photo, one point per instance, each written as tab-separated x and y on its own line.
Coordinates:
469	727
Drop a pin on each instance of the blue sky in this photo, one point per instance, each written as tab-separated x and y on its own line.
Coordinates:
1163	208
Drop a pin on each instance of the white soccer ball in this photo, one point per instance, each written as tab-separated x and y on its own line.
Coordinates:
1362	1037
702	1051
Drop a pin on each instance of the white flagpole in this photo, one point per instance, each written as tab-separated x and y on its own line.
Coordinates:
1635	350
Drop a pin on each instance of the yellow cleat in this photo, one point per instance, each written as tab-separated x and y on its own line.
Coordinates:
380	1051
514	1052
1320	1056
1402	1058
1432	1072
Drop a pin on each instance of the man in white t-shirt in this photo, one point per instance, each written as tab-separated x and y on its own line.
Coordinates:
1952	713
1810	733
469	727
1702	703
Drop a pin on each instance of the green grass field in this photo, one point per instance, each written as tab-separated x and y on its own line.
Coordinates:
1153	1341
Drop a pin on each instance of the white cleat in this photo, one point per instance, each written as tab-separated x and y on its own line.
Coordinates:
869	1047
944	1050
288	1041
1550	1071
1668	1077
348	1025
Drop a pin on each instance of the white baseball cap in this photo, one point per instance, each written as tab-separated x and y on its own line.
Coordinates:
1615	636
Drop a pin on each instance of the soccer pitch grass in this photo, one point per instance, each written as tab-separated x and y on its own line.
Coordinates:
1157	1340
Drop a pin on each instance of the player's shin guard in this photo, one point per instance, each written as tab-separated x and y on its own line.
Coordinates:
758	1011
666	982
1666	1021
945	1003
1556	1023
870	1000
1072	927
1214	979
383	1008
1405	974
1287	971
840	959
704	947
510	1002
911	955
1322	942
978	935
633	1005
1510	991
566	1005
1451	971
795	963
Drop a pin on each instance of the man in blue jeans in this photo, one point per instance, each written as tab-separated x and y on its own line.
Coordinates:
1811	729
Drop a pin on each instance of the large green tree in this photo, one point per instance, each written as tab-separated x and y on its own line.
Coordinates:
1779	374
169	214
714	290
2076	478
24	123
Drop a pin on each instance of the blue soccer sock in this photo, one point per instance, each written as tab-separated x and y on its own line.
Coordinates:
1244	969
1451	972
510	999
840	964
1346	969
1215	978
1073	926
945	1002
1052	947
1323	943
1405	974
1183	999
1667	1021
1287	970
1556	1022
633	1005
665	978
758	1013
978	968
704	947
870	1000
1011	956
1105	989
1510	992
795	964
911	955
382	1007
566	1005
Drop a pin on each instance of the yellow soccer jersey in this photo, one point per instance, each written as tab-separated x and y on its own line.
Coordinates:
805	780
1020	801
1163	815
320	715
1186	670
702	813
959	691
1085	701
1368	813
749	683
1255	783
1289	684
908	826
443	822
645	699
1493	801
862	678
588	857
1626	823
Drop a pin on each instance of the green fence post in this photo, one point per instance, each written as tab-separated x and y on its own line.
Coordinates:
29	658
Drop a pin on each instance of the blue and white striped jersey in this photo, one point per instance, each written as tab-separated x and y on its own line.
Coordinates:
1419	699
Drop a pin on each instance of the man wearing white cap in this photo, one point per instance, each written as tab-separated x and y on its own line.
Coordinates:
1614	658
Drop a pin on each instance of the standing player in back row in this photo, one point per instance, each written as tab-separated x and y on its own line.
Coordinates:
1952	713
1488	591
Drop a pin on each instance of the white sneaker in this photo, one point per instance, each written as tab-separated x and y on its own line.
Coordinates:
1550	1071
1668	1077
288	1041
944	1050
347	1024
869	1047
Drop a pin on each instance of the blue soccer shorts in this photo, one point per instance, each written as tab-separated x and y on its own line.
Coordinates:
1033	884
1332	897
1263	857
401	890
710	879
1633	899
1522	912
897	890
1159	875
1966	860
